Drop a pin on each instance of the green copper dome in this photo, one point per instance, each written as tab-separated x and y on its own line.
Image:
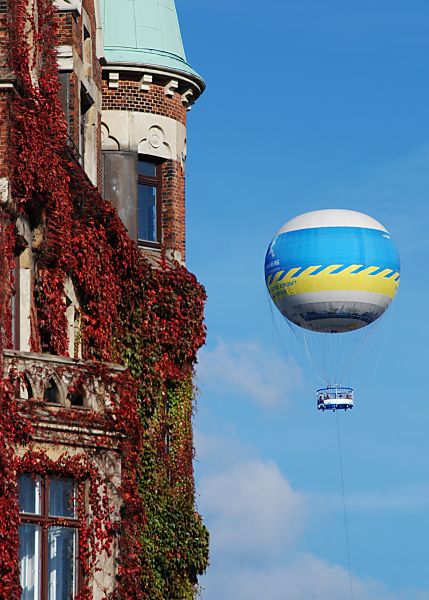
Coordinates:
144	32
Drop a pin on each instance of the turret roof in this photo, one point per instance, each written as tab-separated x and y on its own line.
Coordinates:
144	32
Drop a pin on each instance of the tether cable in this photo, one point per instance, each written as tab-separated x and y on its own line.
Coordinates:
344	509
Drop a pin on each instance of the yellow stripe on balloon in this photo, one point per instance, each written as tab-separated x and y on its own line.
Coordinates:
290	284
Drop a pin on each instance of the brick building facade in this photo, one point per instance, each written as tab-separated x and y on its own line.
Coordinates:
121	143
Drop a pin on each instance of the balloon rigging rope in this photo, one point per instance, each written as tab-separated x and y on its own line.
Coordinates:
310	360
388	321
344	509
275	326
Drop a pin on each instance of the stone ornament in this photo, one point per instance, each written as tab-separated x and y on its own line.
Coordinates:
108	142
156	137
4	190
144	133
69	5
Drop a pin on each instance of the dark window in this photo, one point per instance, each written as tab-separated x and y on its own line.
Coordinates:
149	202
51	394
48	538
64	93
77	398
85	104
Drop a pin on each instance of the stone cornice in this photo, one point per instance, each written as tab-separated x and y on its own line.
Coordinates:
185	81
69	5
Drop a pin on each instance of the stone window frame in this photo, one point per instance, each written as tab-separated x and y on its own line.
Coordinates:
74	320
25	386
146	180
15	309
42	518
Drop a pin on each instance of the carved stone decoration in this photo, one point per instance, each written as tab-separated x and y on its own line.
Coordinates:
64	5
156	137
113	80
108	142
145	82
145	133
64	373
155	143
171	87
4	190
187	98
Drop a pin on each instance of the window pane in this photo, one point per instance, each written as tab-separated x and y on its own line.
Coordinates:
147	213
29	561
61	563
146	168
62	497
29	494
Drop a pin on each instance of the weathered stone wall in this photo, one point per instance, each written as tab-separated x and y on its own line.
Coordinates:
60	430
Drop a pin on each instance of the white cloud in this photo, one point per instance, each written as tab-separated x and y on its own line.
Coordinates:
247	368
253	510
256	519
216	453
304	578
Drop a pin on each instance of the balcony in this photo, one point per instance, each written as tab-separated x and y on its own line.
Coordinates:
65	396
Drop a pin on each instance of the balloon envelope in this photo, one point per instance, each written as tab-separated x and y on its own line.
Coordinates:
332	271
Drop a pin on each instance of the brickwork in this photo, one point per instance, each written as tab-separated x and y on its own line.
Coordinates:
70	33
4	94
173	206
4	131
129	96
65	29
74	110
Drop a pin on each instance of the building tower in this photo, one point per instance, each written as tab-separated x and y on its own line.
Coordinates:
148	86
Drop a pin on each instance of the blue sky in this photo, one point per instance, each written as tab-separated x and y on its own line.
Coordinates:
309	105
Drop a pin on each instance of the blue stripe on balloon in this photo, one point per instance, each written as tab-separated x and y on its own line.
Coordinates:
317	271
339	269
332	245
359	269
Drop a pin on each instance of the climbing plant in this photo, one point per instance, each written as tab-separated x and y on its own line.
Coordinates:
146	317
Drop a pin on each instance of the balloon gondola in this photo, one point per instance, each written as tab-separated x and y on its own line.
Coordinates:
335	397
332	273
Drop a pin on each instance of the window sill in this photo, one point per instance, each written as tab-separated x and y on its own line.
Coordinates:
149	245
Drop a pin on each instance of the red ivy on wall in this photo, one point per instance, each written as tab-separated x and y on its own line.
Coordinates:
150	319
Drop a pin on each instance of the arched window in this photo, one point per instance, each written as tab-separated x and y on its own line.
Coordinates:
51	394
25	389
